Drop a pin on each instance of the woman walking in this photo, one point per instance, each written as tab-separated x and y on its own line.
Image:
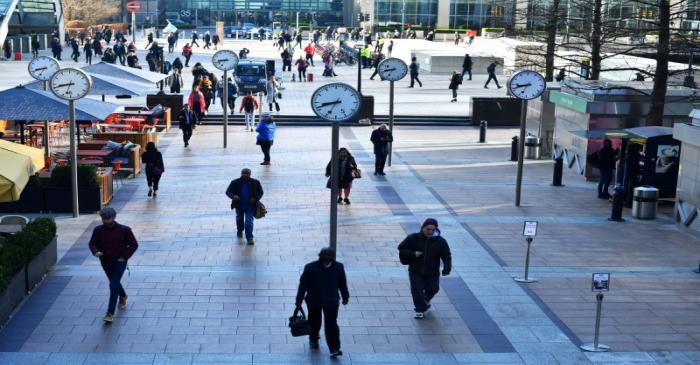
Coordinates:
187	53
196	100
266	136
176	82
154	167
455	80
346	173
271	91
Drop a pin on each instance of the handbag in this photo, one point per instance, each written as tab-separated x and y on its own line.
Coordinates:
356	174
260	210
157	170
298	324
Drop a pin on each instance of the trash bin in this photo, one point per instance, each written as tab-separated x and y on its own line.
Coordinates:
533	147
644	201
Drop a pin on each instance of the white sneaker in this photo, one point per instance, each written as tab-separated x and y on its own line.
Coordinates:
419	315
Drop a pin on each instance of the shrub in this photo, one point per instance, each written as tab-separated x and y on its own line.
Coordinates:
87	176
24	246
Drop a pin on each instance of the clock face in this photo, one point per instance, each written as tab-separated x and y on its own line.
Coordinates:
526	85
43	67
393	69
225	60
335	102
70	84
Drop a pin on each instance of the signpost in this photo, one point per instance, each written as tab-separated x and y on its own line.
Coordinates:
133	7
225	60
600	283
392	69
529	231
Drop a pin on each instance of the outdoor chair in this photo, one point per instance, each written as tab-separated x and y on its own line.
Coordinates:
14	219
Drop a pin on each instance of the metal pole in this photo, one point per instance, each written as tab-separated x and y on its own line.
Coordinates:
334	185
359	71
521	151
298	30
225	106
46	127
526	278
403	19
391	119
74	158
596	346
133	27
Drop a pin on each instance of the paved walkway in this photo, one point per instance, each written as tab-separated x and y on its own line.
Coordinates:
197	295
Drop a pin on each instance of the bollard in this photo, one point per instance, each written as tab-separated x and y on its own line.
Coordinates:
482	131
618	200
558	171
514	149
526	278
697	271
596	346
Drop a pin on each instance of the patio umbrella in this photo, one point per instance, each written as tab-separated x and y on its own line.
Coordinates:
107	85
124	73
21	103
14	175
36	155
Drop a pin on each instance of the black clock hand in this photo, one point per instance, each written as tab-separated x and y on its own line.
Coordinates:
521	85
64	85
390	69
329	103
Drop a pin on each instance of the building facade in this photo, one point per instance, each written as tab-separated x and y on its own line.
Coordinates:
22	17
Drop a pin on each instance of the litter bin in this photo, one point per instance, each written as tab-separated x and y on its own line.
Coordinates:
644	201
533	147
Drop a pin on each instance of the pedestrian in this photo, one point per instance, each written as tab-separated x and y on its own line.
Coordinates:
197	103
390	48
271	90
467	65
309	52
298	41
131	60
347	169
109	56
457	38
301	68
195	37
381	138
188	122
280	42
375	65
113	244
207	40
245	193
56	48
413	67
75	47
323	285
248	105
266	136
455	81
7	48
365	54
562	74
422	253
150	39
604	159
87	48
215	39
171	43
177	64
187	53
232	94
120	51
491	70
205	86
471	39
153	160
35	45
286	60
97	46
176	82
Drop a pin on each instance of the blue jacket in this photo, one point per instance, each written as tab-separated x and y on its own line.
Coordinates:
266	131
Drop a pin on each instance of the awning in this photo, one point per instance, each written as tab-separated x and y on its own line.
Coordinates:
36	155
108	85
124	73
14	175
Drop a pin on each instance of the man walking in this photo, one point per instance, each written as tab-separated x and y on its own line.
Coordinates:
188	121
381	137
606	158
248	106
422	253
245	193
309	52
492	75
322	284
413	67
113	244
467	66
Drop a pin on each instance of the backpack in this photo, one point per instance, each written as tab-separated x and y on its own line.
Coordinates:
460	79
167	67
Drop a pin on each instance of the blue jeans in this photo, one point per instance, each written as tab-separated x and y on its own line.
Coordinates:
114	271
423	289
245	212
467	70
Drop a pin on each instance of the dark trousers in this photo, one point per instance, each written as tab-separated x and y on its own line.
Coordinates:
74	56
467	70
454	93
379	162
114	271
604	181
302	75
187	61
122	59
492	76
277	105
376	71
423	288
310	59
231	104
287	66
171	48
88	59
415	77
244	220
186	133
152	179
330	315
265	147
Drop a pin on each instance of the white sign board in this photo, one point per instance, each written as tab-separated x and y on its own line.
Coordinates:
600	282
530	229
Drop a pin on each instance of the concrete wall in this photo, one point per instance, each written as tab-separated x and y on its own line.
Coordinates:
437	63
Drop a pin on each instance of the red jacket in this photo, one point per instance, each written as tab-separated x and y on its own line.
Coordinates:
309	49
116	242
200	96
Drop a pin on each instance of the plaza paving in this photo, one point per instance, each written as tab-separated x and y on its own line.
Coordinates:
197	295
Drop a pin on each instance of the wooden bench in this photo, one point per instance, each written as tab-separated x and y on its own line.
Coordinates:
138	138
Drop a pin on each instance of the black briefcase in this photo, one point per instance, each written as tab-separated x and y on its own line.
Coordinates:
298	324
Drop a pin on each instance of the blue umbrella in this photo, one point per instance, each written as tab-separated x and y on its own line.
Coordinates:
21	103
107	85
124	73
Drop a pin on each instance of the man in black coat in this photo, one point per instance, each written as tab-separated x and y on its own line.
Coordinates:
414	72
381	137
491	70
467	65
188	121
245	193
422	253
322	284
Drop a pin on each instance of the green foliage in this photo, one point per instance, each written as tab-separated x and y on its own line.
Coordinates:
87	175
24	246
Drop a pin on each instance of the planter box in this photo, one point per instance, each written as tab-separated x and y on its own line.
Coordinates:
40	265
30	201
58	199
13	295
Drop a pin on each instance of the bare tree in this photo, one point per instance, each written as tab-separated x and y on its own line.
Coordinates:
93	12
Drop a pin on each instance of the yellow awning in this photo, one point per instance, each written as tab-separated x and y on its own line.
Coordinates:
14	173
36	155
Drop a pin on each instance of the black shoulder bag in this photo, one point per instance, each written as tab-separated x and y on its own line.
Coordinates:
298	324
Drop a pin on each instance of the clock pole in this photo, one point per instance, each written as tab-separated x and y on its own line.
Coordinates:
225	105
391	119
74	158
334	185
521	151
46	127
